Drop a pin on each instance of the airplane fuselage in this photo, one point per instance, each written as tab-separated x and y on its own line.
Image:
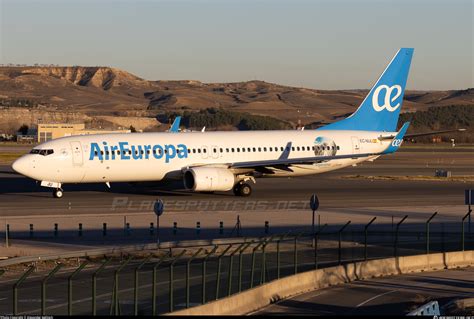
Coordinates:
136	157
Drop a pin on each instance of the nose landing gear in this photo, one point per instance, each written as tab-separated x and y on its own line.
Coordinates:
58	193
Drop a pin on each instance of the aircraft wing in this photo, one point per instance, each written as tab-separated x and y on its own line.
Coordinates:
294	161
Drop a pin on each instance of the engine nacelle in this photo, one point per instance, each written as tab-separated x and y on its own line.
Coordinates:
208	179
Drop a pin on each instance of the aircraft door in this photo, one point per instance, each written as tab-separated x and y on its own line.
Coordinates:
355	145
77	159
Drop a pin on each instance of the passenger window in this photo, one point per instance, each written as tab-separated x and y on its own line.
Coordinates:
248	149
264	149
254	149
204	150
215	150
232	150
238	149
221	150
259	149
338	148
227	150
199	150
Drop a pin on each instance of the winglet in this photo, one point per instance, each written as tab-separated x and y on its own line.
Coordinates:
397	140
175	127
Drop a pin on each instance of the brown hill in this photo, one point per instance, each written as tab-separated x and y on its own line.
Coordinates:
104	91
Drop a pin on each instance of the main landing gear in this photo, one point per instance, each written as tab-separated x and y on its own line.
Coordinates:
242	189
58	193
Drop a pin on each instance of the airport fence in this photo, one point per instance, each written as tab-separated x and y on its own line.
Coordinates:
164	280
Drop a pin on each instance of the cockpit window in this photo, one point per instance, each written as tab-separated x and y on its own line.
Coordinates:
42	152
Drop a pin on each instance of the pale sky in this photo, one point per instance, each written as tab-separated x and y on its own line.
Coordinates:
330	44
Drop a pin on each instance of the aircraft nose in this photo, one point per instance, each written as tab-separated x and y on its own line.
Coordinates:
21	165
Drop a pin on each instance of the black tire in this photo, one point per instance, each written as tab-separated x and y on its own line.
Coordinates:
245	190
236	189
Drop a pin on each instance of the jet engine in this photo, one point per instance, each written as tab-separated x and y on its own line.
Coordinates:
208	179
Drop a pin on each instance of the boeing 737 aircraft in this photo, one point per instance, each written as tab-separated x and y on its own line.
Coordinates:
223	161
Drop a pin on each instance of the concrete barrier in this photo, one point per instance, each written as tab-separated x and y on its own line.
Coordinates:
261	296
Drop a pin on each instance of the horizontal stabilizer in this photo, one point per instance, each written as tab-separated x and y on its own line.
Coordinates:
422	134
397	140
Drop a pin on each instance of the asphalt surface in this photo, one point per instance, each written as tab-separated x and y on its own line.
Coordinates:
22	196
394	295
29	293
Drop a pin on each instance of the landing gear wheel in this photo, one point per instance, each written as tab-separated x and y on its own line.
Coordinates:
58	193
242	189
245	190
236	189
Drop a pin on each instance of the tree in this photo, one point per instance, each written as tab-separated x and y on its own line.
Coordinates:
132	129
23	129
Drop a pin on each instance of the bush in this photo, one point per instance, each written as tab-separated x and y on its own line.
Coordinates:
213	118
442	118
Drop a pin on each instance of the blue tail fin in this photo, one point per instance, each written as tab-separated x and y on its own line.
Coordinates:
175	126
380	109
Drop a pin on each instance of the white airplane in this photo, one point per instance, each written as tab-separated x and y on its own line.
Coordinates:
223	161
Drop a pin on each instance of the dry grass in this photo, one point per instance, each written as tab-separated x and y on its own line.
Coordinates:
10	157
